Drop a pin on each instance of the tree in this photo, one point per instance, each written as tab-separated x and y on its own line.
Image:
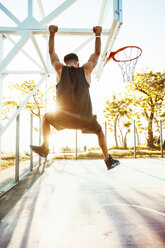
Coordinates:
19	91
149	96
8	106
112	115
126	116
128	130
37	102
119	113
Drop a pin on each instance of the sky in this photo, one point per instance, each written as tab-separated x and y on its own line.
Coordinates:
143	26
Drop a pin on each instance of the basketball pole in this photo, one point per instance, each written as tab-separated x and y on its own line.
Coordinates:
161	139
17	148
1	87
134	138
76	147
31	142
106	131
39	138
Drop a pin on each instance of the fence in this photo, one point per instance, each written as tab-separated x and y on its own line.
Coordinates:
134	135
25	129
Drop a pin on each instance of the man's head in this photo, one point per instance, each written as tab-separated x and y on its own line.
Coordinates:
71	60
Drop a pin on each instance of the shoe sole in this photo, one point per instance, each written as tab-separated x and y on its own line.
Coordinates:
114	165
40	154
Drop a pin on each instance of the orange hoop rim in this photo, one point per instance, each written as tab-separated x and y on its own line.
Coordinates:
112	54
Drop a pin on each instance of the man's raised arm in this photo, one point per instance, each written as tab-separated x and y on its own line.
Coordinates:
90	65
53	56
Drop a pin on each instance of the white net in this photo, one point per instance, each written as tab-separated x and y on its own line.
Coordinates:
127	59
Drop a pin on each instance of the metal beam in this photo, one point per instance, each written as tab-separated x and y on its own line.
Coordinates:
25	53
6	72
39	53
161	139
117	22
61	31
22	106
83	45
117	10
14	51
30	8
9	14
31	141
17	147
102	11
24	27
108	47
57	11
1	88
100	21
41	8
42	14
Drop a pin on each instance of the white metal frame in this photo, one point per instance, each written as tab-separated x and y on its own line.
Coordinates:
117	22
30	26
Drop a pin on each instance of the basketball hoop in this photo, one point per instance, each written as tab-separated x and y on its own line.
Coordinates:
127	58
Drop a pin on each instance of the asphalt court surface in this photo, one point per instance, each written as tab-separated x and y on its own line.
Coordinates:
79	204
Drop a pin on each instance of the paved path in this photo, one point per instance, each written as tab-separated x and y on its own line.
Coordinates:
7	176
79	204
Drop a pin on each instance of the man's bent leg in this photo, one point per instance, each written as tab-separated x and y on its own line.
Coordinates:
46	130
43	150
103	144
109	161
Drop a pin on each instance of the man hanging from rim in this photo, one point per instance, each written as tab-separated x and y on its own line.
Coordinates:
74	107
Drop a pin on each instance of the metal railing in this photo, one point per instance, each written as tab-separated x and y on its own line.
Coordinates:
24	162
16	116
31	143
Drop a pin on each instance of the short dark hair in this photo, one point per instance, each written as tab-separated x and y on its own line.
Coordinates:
70	56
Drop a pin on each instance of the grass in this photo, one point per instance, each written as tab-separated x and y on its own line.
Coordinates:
8	160
120	152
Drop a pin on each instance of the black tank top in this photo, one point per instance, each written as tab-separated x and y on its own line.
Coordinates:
72	92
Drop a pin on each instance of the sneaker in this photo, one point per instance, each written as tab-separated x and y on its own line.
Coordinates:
40	150
111	163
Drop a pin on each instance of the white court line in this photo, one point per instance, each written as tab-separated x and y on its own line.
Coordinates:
143	172
134	206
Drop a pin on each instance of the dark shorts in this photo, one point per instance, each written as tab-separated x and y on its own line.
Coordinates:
62	120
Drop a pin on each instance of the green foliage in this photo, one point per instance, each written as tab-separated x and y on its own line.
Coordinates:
37	102
7	108
144	100
149	95
149	89
119	113
19	92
